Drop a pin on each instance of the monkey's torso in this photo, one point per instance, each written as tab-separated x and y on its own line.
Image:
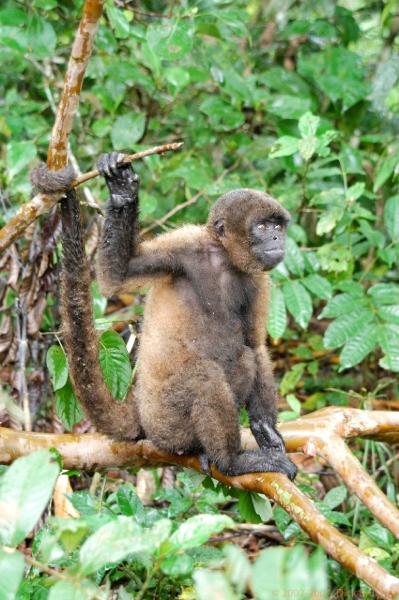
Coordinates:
202	316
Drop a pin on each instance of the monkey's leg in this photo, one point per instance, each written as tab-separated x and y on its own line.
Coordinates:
215	420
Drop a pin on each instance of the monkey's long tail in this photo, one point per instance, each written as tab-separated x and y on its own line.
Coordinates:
118	419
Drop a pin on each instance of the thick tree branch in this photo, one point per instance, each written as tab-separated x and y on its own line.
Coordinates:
319	433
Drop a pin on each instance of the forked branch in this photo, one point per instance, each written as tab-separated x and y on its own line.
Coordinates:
320	433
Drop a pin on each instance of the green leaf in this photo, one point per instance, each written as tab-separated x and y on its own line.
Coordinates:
66	590
391	217
359	346
389	313
177	565
298	302
177	76
335	496
308	125
222	115
388	337
262	506
337	72
238	568
284	146
67	406
11	573
118	21
197	530
57	365
264	586
41	36
384	293
385	170
19	155
288	107
294	260
294	403
346	327
318	285
291	378
115	364
114	541
170	40
212	584
25	490
329	219
127	130
307	147
277	318
341	304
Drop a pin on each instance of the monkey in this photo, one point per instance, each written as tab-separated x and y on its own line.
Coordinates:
202	352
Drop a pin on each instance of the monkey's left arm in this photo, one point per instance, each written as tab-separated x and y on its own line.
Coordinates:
262	404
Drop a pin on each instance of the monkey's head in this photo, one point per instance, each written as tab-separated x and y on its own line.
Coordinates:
251	226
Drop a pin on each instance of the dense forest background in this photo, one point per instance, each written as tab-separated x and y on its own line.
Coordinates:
298	98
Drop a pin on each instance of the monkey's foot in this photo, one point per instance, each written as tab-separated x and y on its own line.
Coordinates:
265	461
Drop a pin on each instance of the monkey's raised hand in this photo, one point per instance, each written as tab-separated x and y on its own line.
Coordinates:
122	182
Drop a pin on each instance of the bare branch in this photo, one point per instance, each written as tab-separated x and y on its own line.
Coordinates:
42	203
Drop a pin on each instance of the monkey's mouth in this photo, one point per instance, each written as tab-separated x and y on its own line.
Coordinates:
270	257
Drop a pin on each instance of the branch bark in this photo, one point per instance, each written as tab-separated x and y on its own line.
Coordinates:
319	433
57	153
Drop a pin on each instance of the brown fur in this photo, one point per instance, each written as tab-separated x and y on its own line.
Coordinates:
202	353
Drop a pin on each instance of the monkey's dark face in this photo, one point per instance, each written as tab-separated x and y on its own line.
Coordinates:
267	237
251	226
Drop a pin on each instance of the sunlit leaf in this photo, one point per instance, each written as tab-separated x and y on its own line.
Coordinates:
25	490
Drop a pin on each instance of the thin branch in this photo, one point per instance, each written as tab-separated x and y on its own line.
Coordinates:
185	204
97	451
79	57
42	203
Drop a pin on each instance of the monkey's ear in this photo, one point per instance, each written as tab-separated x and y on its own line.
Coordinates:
218	226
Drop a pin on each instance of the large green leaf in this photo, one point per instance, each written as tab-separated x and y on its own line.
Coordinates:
25	490
118	21
342	304
346	326
11	572
384	293
212	584
41	36
197	530
114	541
115	364
359	346
294	260
277	318
318	285
298	302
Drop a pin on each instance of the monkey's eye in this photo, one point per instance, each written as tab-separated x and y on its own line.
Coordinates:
277	226
262	227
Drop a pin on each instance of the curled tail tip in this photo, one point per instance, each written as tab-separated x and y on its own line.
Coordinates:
46	181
